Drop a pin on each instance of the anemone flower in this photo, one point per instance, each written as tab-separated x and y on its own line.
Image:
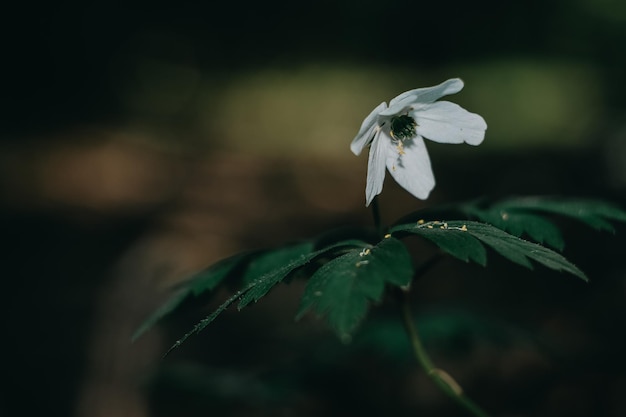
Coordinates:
396	133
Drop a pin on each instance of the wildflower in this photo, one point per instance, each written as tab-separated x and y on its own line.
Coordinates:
396	135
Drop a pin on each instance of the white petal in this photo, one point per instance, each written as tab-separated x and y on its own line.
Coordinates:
399	107
446	122
366	132
376	167
412	170
430	94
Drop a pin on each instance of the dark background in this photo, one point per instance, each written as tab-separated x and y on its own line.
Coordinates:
107	196
61	61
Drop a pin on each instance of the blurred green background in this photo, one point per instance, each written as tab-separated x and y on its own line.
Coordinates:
142	141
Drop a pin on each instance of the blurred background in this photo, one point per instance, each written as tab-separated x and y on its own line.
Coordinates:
140	142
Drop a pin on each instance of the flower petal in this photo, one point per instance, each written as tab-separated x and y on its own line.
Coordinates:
376	167
366	132
430	94
412	169
399	107
446	122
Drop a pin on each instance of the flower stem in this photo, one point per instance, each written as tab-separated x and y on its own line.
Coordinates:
440	377
376	216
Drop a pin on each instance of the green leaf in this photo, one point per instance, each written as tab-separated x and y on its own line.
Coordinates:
263	284
273	259
518	250
214	275
292	258
260	286
594	213
197	284
537	228
523	216
519	222
454	241
343	288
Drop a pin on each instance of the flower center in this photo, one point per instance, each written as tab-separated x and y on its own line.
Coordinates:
403	127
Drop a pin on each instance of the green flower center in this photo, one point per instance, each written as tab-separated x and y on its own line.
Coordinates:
403	127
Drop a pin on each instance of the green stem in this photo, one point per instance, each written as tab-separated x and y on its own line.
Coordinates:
441	378
376	215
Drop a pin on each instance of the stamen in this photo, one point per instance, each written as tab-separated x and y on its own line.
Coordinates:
400	147
403	127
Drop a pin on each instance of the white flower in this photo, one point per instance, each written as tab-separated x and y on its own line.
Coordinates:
396	135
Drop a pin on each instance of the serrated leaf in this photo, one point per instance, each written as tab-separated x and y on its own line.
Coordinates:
343	288
262	285
265	283
196	285
259	287
595	213
211	277
518	250
535	227
273	259
520	223
455	241
521	216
